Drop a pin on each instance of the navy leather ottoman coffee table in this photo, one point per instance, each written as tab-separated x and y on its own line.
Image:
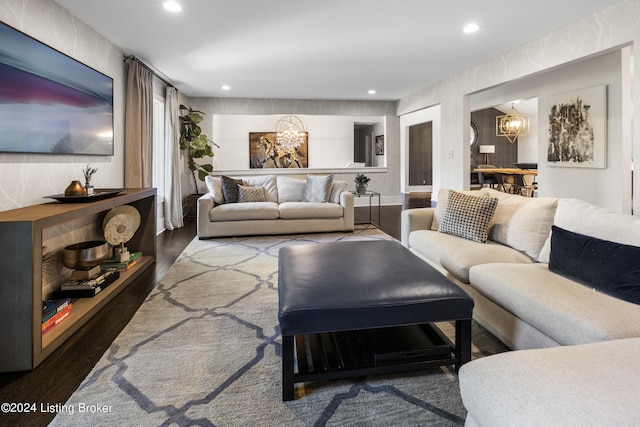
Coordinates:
364	308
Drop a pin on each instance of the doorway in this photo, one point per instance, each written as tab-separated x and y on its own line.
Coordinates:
421	154
363	143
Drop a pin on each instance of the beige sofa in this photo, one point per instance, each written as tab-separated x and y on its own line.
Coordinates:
283	211
589	375
574	386
517	297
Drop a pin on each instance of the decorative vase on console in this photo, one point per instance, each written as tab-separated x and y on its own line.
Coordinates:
75	189
361	183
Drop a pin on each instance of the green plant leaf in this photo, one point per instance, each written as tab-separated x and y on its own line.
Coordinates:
197	144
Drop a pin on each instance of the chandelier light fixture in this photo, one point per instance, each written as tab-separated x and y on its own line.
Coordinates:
290	132
512	125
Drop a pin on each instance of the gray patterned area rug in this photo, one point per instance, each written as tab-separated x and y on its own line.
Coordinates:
204	349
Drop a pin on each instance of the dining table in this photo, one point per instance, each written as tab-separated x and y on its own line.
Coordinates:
508	171
506	179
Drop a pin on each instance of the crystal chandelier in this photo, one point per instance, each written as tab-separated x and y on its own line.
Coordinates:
290	132
512	125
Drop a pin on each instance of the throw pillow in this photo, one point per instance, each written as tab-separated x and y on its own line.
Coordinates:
443	201
337	188
611	268
468	216
214	186
317	189
268	182
251	194
230	189
583	217
523	223
290	189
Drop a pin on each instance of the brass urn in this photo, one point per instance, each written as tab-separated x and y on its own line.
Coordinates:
75	189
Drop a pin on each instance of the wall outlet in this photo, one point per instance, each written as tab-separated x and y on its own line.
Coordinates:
450	154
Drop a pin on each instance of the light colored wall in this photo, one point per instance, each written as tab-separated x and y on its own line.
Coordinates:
330	142
431	114
606	30
603	187
528	144
26	178
320	112
592	185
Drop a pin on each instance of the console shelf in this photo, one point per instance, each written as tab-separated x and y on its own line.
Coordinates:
21	269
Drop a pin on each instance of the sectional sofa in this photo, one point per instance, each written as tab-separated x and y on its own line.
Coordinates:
560	293
286	205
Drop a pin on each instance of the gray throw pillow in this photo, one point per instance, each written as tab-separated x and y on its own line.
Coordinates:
468	216
230	189
317	189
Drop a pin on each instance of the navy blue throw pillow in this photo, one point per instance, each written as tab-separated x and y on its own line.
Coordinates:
611	268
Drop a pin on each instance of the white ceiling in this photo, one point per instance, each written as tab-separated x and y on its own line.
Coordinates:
332	49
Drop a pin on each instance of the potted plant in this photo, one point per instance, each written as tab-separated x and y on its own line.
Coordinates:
197	144
361	183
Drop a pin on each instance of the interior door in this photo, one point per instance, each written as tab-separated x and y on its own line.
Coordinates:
421	154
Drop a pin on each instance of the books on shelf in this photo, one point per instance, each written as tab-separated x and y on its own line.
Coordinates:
121	266
51	307
87	288
54	312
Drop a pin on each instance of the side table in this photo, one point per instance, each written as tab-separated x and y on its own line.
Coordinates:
370	194
192	205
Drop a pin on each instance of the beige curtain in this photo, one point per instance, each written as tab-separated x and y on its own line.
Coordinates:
138	126
173	197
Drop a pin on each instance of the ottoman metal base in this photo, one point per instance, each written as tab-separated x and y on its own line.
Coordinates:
330	356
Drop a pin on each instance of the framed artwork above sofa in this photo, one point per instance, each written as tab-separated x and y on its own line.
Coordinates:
266	152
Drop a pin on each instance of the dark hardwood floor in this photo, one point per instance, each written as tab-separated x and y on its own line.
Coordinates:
389	220
60	374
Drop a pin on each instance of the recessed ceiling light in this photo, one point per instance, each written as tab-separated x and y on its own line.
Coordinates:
471	28
225	87
172	6
372	92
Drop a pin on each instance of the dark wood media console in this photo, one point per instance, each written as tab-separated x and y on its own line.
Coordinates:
22	233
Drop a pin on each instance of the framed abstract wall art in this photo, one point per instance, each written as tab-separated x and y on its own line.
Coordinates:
578	129
49	102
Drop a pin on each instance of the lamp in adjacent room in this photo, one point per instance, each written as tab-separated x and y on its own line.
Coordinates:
512	125
486	150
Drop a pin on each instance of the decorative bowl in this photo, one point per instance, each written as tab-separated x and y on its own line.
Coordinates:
85	255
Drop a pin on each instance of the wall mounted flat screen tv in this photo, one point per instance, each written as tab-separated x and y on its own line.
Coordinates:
49	102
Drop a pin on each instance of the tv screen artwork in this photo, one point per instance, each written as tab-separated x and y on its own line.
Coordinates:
49	102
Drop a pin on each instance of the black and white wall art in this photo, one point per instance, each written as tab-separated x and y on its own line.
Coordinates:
578	129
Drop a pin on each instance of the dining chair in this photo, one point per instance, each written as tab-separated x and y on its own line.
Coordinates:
522	187
487	178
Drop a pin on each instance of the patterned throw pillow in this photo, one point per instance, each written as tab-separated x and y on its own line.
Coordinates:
317	189
468	216
230	189
251	194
